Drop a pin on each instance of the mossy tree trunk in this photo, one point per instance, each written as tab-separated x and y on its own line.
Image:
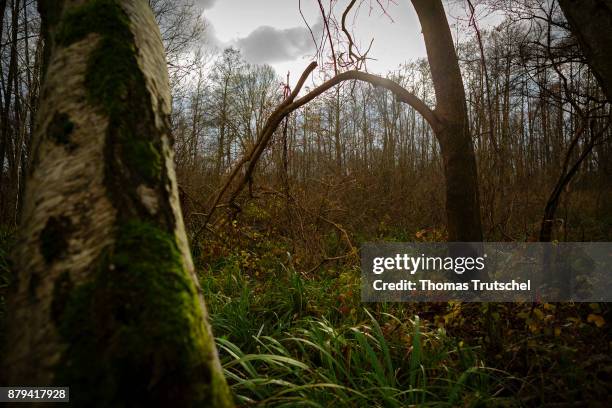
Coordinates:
106	300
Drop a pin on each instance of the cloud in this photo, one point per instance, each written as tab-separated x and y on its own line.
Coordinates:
210	36
268	44
206	4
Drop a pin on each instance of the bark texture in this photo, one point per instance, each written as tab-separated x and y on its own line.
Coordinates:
590	22
453	130
107	301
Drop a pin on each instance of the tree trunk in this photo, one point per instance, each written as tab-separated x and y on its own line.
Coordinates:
453	132
337	131
566	176
6	144
590	22
106	299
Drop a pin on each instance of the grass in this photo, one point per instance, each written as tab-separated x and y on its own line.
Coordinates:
286	340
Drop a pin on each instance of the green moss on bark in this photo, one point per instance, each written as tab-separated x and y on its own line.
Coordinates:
136	332
145	157
94	16
115	82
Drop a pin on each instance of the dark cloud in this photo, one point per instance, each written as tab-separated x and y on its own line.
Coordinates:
267	44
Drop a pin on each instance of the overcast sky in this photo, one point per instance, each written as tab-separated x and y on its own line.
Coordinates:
273	32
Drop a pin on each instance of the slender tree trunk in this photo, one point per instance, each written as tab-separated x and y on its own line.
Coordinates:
221	149
7	145
32	85
453	133
337	143
567	174
2	10
590	22
104	277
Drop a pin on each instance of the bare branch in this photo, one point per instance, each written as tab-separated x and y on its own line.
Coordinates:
331	41
401	93
289	105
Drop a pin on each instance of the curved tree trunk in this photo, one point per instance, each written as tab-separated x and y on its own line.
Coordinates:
590	22
106	300
453	131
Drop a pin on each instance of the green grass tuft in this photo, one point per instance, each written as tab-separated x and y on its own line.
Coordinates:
288	341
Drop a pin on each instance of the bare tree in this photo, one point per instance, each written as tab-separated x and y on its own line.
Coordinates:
182	29
453	129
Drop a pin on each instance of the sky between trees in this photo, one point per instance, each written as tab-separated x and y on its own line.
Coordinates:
273	31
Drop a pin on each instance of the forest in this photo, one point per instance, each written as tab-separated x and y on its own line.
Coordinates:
181	226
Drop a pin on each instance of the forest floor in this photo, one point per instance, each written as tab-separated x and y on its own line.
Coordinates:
289	338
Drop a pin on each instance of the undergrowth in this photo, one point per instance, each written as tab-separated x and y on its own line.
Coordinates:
289	341
292	338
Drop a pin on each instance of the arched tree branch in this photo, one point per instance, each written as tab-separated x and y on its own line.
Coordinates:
401	93
289	105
